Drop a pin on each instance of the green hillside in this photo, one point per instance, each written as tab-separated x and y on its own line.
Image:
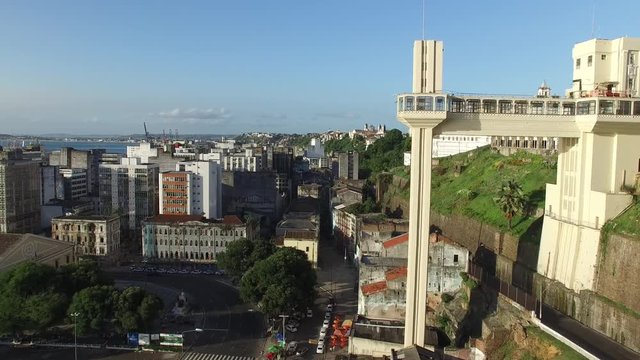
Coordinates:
467	184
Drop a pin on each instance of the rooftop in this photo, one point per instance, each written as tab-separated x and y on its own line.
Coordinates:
400	239
87	217
300	234
174	219
7	241
396	273
374	288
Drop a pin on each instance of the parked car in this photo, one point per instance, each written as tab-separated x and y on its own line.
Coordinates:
320	349
327	316
302	351
323	331
326	322
309	313
291	328
330	307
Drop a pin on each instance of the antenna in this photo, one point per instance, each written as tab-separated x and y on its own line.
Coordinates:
423	1
593	20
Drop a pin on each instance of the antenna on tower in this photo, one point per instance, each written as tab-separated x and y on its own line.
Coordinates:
423	3
593	21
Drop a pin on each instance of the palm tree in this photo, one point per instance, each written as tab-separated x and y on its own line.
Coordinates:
511	199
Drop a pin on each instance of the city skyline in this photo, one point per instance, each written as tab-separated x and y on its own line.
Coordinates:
286	66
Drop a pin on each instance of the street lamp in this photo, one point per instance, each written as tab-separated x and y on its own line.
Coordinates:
75	334
284	338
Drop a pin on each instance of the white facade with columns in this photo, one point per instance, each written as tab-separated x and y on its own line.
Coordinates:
598	156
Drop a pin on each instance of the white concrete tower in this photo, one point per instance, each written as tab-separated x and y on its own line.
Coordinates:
427	79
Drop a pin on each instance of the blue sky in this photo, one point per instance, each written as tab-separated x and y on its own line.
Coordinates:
225	67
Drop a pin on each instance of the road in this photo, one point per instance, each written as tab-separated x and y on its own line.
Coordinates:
216	305
588	339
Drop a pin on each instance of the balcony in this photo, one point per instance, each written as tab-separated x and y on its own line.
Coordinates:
515	105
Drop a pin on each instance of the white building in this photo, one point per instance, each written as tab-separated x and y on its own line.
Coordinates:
314	153
195	188
447	145
129	188
598	157
189	238
242	161
144	151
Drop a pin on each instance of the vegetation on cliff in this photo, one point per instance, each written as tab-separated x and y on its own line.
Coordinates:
467	184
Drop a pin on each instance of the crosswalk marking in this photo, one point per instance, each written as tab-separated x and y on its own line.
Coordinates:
201	356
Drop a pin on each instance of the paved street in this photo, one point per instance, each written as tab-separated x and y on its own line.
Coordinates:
590	340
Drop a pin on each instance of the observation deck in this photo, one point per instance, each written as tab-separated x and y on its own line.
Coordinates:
507	115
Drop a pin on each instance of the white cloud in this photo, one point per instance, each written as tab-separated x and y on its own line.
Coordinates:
194	115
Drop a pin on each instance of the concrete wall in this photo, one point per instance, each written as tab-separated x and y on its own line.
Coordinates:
593	310
375	348
617	274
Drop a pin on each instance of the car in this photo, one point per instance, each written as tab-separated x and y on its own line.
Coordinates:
330	307
320	349
291	328
293	323
323	332
326	322
302	351
321	340
309	313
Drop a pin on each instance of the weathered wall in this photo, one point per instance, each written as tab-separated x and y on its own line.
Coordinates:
618	269
471	233
593	310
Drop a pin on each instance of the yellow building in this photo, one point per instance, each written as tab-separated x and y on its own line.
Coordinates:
303	240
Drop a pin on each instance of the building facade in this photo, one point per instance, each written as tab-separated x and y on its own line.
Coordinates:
75	184
20	193
91	234
348	165
130	189
190	238
205	188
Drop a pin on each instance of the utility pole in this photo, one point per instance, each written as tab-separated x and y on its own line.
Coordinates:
284	339
75	334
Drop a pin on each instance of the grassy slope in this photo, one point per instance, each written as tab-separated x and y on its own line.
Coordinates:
540	346
483	175
628	223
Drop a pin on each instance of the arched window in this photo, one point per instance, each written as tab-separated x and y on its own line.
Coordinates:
191	243
216	242
206	256
200	242
206	243
170	242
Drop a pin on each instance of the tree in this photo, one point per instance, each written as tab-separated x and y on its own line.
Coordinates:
80	275
135	309
29	299
242	254
280	284
95	307
511	200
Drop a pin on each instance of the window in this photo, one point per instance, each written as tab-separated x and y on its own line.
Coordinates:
577	64
307	249
590	60
455	258
603	57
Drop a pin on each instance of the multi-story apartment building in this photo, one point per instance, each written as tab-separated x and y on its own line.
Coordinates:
70	158
190	237
130	189
175	192
247	161
92	234
150	154
75	184
20	192
205	188
348	165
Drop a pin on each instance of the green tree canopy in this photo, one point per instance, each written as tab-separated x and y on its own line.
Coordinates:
280	284
77	276
94	306
511	199
242	254
135	309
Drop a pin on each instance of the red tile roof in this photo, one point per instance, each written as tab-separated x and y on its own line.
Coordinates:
164	218
396	240
396	273
374	288
232	220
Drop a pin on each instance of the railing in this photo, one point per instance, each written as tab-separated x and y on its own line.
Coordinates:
523	298
516	105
